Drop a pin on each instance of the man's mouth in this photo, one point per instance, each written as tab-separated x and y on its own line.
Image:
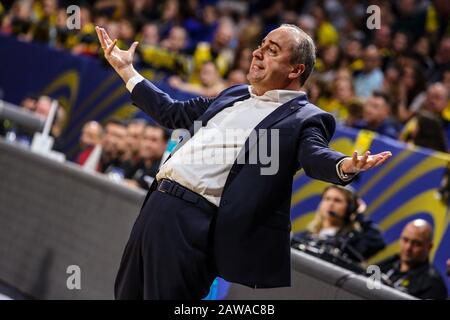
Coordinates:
256	67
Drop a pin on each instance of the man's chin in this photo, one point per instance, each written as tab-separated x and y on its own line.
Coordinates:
252	80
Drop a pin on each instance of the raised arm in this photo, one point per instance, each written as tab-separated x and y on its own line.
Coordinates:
159	105
321	162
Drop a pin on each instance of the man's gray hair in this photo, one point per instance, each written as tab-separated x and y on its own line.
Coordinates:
304	52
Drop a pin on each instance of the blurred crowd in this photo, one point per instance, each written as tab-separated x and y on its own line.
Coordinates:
394	79
127	151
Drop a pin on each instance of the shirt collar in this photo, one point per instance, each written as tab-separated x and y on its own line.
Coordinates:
279	96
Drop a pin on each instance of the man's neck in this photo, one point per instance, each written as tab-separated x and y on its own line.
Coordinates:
261	91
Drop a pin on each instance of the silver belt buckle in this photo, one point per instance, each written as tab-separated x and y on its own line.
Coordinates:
161	187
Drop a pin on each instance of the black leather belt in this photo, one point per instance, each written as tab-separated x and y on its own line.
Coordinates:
175	189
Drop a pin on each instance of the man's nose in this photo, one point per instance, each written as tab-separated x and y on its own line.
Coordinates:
257	53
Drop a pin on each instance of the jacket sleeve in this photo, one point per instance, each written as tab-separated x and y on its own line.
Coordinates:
165	110
314	154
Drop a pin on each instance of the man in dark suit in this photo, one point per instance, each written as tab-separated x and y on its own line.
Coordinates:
230	218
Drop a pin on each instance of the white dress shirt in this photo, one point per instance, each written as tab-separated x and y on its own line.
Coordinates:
203	163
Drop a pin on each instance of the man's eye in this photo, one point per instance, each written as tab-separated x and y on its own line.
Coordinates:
273	51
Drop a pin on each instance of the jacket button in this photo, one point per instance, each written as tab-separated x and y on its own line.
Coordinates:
224	202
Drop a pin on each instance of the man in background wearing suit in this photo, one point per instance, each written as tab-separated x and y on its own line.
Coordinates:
229	218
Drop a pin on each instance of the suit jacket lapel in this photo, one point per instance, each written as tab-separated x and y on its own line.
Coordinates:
277	115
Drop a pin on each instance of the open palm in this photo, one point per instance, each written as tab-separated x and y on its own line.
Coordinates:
357	163
119	59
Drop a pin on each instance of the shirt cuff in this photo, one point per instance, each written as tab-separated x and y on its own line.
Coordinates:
345	177
133	81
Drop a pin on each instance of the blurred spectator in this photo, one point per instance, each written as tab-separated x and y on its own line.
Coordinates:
18	20
150	35
244	59
151	150
308	24
342	96
441	60
177	39
377	116
329	63
383	41
438	18
236	76
428	129
45	29
169	56
326	32
43	106
29	103
411	271
410	17
371	77
422	49
352	55
130	159
411	91
91	135
355	113
338	224
84	41
113	148
211	83
218	51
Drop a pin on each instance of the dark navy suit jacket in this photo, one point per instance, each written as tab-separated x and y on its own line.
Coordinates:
252	232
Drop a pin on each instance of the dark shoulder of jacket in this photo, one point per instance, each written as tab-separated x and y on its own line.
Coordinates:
312	113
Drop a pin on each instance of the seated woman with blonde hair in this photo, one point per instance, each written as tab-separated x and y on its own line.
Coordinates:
340	224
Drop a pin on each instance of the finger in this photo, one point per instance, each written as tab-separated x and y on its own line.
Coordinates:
355	158
380	159
108	40
100	37
384	154
376	161
133	48
111	47
364	159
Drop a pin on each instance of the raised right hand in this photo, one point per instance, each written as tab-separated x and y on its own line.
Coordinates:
120	60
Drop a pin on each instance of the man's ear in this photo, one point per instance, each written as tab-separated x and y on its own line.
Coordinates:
297	71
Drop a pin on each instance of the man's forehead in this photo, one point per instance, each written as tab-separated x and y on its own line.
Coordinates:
281	35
